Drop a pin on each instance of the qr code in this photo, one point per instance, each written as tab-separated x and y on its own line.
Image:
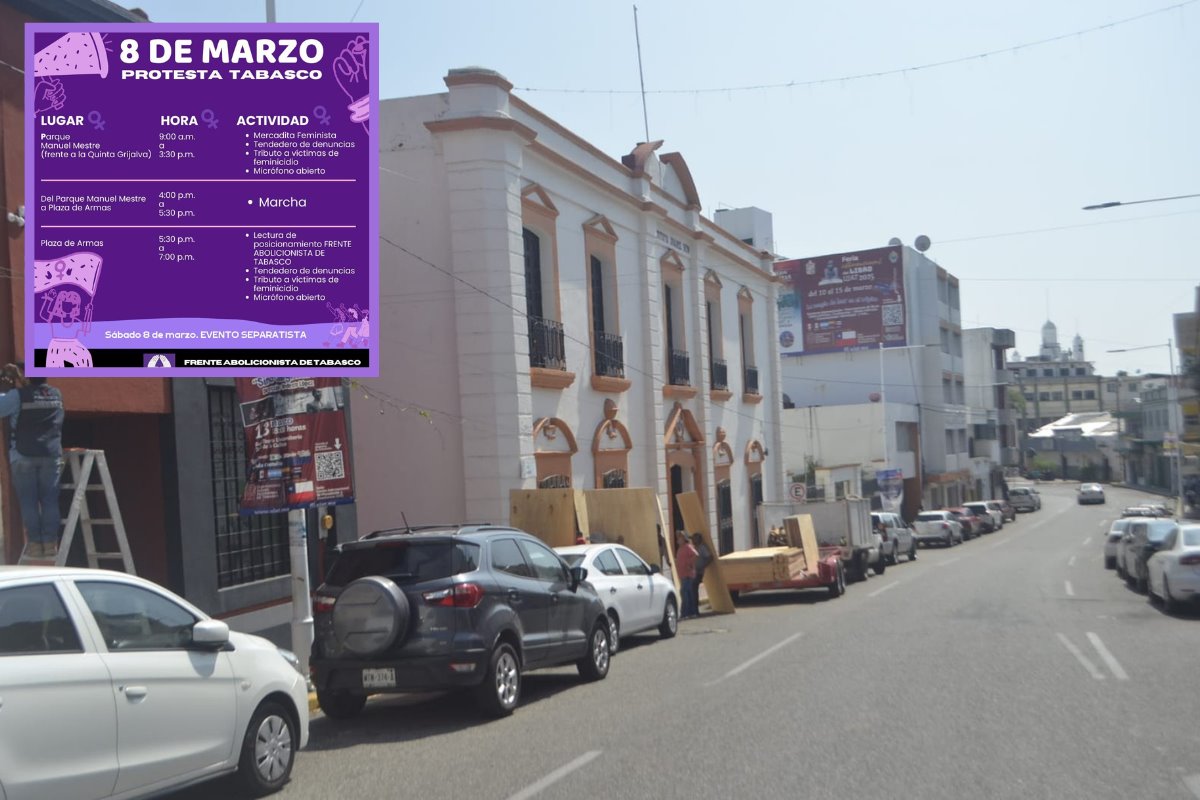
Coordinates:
330	466
893	314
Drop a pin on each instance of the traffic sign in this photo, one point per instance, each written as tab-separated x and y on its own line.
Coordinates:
798	491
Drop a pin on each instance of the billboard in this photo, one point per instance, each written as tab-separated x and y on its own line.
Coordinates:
296	443
202	199
841	302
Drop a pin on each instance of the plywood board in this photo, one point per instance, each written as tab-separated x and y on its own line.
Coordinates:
802	534
696	521
549	514
763	565
631	517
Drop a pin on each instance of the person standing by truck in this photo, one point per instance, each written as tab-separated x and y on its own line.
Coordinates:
35	455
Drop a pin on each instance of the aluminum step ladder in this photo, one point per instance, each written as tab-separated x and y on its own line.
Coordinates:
82	463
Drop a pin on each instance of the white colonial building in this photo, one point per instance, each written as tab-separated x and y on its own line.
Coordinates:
553	317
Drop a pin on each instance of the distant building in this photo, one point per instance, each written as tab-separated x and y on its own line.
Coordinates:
1083	446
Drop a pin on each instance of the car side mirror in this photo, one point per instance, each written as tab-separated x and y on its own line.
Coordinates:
578	576
210	634
655	569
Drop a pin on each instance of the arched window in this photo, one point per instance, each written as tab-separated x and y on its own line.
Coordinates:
553	446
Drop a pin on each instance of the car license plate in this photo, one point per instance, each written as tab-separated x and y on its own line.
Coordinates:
379	678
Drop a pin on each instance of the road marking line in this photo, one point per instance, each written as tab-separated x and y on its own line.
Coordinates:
948	561
1192	782
558	774
1071	561
885	588
1117	670
1070	589
747	664
1075	651
1087	541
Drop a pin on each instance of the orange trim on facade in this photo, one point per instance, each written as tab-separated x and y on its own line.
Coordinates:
751	399
720	395
676	162
610	385
543	378
552	462
608	459
670	390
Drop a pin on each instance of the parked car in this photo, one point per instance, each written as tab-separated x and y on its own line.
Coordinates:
446	607
1112	542
897	535
1174	569
1142	539
1024	499
974	522
991	508
636	595
937	526
113	686
1090	493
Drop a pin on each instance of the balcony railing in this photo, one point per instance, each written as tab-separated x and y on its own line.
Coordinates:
751	380
610	355
546	348
679	369
720	374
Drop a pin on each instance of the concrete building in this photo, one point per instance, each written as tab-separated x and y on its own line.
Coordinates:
918	376
556	317
1084	446
993	428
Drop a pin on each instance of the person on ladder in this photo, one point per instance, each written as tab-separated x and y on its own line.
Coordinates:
35	455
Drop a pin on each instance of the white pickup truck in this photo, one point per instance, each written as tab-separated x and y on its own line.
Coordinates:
938	527
845	524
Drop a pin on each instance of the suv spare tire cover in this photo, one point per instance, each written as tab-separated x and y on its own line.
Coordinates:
370	615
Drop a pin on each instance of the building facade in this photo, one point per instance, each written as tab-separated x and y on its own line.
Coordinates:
554	317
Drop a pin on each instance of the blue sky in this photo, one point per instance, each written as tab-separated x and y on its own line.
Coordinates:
974	154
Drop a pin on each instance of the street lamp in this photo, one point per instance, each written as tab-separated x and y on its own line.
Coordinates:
1172	405
1115	203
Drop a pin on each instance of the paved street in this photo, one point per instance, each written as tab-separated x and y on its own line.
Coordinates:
1013	666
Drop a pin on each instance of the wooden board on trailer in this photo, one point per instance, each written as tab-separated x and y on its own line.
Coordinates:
696	521
802	534
763	565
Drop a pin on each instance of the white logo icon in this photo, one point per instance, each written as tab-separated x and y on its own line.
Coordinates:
159	361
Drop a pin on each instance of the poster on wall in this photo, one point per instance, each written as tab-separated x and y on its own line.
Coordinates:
202	199
890	486
296	448
841	302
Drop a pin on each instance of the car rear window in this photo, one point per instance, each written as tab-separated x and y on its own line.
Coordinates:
1021	492
1157	530
930	517
405	561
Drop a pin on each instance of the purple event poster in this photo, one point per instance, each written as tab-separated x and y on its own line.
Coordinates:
204	199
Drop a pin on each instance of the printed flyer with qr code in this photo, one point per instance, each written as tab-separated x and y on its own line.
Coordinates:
203	199
296	445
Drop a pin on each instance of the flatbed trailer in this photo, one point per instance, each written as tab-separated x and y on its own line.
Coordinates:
829	574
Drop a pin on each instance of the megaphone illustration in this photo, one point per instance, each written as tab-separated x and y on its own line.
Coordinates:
73	54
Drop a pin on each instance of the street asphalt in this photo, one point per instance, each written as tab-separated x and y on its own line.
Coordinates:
1012	666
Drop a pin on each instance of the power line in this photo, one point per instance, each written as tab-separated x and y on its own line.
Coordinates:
880	74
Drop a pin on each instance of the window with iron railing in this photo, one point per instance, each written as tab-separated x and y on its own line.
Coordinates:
249	548
680	368
615	479
720	374
751	380
609	355
547	348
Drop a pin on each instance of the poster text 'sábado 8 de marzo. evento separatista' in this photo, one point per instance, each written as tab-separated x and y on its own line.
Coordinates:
203	199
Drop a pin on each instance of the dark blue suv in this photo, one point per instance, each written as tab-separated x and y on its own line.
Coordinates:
449	607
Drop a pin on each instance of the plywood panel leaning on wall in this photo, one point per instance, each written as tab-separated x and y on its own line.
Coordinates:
696	521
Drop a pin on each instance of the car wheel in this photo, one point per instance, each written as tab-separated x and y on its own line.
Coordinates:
340	705
501	688
880	565
1110	562
894	556
838	587
594	665
614	633
268	749
1167	601
670	621
1142	585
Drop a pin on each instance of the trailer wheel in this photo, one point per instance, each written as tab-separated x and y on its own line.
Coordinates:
838	587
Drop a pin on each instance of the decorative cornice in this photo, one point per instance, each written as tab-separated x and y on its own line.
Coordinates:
670	390
477	77
477	123
720	395
752	399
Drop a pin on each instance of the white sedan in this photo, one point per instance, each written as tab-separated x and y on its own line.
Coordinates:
637	596
114	687
1174	571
